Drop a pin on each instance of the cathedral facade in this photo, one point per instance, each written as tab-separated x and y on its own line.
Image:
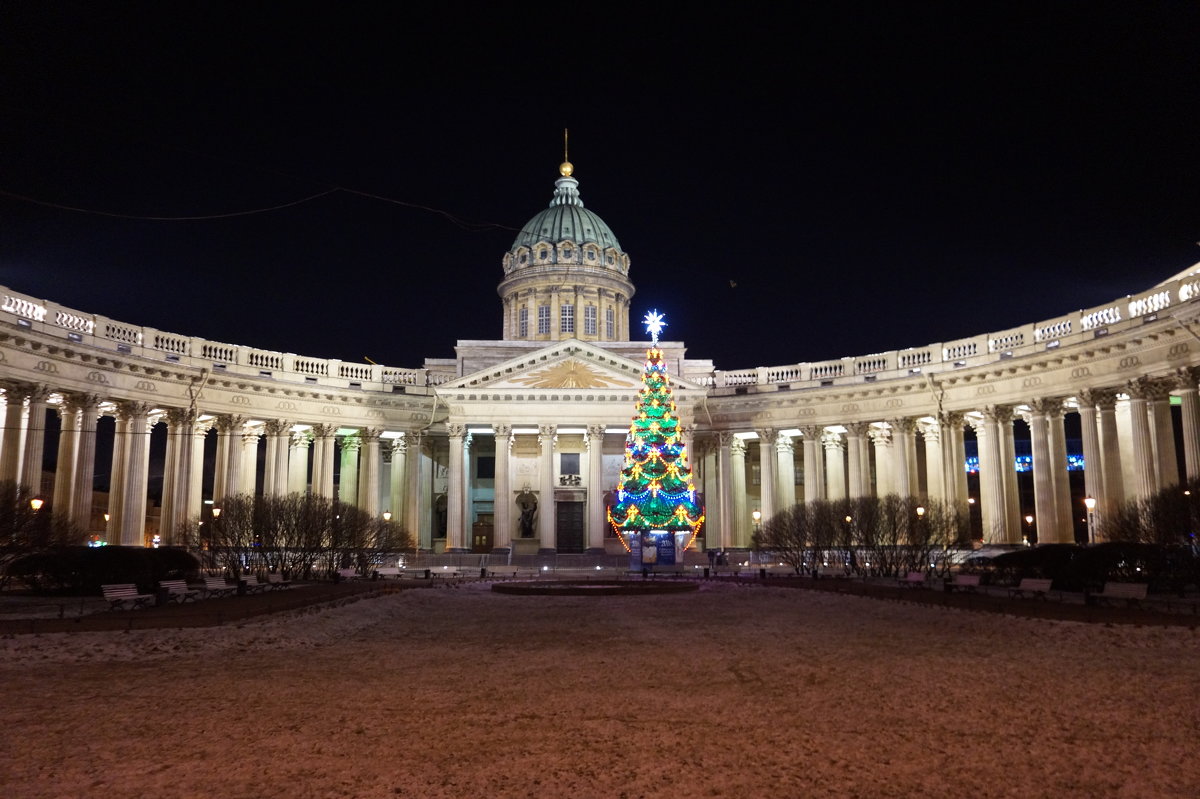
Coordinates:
515	445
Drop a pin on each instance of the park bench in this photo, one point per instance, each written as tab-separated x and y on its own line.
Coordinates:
125	595
499	571
252	585
832	571
1036	587
964	582
913	580
216	586
178	591
275	582
1131	593
348	574
385	572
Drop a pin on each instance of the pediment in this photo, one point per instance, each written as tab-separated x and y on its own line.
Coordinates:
569	364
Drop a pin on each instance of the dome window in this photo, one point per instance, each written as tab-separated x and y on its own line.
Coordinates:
591	256
524	258
543	254
608	259
568	253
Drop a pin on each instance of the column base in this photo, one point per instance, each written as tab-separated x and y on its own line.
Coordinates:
595	551
457	550
547	551
501	550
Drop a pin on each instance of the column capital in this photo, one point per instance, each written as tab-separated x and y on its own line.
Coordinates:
399	445
370	434
595	435
301	439
547	435
1000	414
38	392
832	441
1103	398
784	445
323	430
1045	406
738	446
880	436
903	424
857	429
229	423
181	417
277	427
84	403
502	430
812	431
767	436
1186	378
951	418
1149	388
130	409
351	443
456	430
930	429
725	439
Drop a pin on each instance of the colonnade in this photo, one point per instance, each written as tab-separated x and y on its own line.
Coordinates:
1128	442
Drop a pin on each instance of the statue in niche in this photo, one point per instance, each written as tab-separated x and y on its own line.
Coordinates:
528	503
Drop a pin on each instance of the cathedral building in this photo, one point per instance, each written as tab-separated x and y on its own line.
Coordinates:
516	444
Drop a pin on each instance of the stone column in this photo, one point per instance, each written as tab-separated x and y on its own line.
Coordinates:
35	439
275	471
785	472
595	500
1164	435
297	477
348	477
991	479
84	473
195	488
858	461
228	478
835	464
1093	471
457	434
1045	500
64	471
766	473
934	463
248	484
414	505
397	479
1189	406
1008	473
1144	469
502	505
881	439
725	483
547	435
902	445
741	516
1062	485
177	474
814	468
10	446
133	489
322	477
116	477
368	489
1110	452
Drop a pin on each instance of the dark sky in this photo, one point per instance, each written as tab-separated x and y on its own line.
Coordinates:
870	175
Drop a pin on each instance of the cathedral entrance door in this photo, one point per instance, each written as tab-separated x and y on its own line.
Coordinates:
569	526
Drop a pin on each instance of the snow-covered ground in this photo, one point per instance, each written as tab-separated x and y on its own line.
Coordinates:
732	691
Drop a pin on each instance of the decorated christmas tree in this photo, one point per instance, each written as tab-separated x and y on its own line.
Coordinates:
656	513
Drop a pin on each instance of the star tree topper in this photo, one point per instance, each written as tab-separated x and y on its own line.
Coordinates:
654	322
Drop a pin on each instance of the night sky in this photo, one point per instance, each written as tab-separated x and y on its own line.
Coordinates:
861	177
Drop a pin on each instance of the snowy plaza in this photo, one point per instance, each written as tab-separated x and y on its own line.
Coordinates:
731	691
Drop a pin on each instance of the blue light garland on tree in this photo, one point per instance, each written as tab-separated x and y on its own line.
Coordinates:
656	490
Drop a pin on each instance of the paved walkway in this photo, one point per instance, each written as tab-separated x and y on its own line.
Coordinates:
21	613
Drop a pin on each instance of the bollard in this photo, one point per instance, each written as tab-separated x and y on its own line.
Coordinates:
762	574
428	576
482	572
705	572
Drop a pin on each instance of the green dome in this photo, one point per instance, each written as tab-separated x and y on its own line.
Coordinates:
567	220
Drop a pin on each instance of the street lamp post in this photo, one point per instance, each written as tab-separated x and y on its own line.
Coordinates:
1028	529
1090	503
